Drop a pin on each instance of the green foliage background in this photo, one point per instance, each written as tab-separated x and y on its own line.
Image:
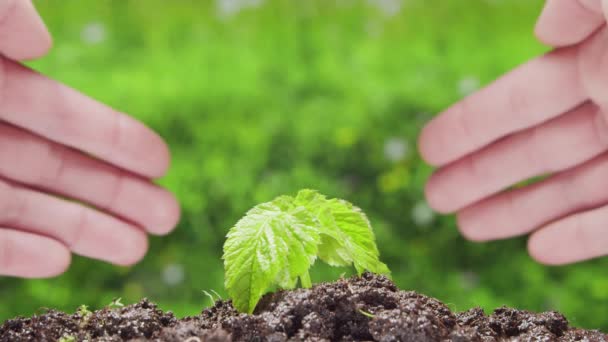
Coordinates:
288	94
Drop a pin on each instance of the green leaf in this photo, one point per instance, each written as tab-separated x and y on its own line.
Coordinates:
346	233
348	225
310	199
275	243
333	252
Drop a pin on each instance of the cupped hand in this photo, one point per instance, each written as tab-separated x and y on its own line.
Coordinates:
547	117
74	174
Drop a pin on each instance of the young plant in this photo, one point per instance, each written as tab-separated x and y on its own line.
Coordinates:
210	296
83	311
85	315
116	303
277	242
67	338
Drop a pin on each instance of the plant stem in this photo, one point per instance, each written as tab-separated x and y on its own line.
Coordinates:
305	280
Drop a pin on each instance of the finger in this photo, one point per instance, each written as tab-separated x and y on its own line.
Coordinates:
521	211
593	63
575	238
31	160
569	22
58	113
28	255
554	146
593	6
83	230
23	35
531	94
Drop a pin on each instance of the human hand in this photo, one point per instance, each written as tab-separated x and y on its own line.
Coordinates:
546	117
48	135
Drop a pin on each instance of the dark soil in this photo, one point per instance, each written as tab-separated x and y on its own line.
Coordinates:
369	308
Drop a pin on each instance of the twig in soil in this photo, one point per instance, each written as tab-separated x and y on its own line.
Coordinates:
366	314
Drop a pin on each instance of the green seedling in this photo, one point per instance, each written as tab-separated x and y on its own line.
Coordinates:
67	338
216	294
210	296
116	303
277	242
84	314
83	311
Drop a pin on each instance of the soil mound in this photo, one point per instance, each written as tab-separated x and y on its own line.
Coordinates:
366	308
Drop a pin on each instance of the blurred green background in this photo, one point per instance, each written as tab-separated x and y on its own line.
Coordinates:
259	98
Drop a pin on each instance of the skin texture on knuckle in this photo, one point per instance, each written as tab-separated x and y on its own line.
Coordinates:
6	7
518	101
593	67
11	203
592	5
5	252
2	80
27	158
